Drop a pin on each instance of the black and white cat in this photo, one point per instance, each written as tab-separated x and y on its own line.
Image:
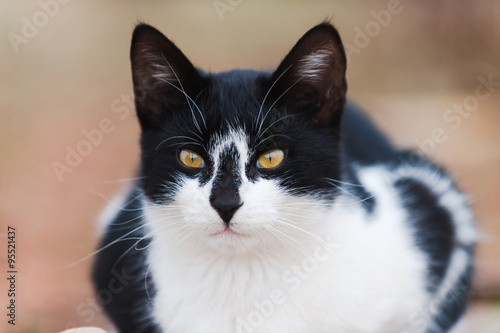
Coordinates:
266	205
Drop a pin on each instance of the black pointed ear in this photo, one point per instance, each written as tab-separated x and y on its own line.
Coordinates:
312	79
163	77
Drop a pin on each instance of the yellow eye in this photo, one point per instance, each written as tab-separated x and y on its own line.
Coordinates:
270	159
191	159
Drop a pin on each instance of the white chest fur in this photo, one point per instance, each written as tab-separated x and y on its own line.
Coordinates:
365	277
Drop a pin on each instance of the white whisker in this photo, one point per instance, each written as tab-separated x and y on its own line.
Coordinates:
265	98
276	101
188	99
177	137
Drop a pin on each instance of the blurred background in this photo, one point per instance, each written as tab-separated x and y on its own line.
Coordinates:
428	72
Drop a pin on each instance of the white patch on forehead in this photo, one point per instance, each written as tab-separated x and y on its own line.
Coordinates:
221	143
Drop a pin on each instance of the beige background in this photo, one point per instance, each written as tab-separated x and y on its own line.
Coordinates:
74	71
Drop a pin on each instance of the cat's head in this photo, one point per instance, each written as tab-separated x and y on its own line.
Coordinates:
241	159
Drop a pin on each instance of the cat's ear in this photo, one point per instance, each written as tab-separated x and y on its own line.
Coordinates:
163	77
311	78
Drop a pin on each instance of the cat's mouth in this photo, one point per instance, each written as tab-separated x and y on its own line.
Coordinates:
227	231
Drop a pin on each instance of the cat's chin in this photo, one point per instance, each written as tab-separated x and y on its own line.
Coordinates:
230	240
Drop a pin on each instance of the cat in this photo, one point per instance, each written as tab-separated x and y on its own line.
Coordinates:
266	203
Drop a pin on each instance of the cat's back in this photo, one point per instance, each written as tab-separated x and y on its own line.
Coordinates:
431	209
363	141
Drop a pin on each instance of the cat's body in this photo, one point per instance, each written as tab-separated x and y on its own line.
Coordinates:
344	234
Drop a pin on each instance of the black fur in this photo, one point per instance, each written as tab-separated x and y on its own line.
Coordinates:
434	234
307	110
119	272
454	303
433	225
181	107
364	143
225	198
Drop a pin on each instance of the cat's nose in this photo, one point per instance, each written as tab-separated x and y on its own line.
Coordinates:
225	198
226	206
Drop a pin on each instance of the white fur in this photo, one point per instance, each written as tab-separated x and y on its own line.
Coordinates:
296	264
313	65
158	67
163	73
449	198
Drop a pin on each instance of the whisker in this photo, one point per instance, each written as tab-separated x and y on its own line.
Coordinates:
283	221
140	239
281	118
276	101
123	180
108	200
176	137
352	195
267	94
121	238
197	135
188	99
184	143
273	232
343	182
102	248
187	232
270	137
303	248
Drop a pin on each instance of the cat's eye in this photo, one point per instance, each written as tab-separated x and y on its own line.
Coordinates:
271	159
191	159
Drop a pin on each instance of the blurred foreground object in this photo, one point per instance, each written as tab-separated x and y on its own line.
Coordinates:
85	330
